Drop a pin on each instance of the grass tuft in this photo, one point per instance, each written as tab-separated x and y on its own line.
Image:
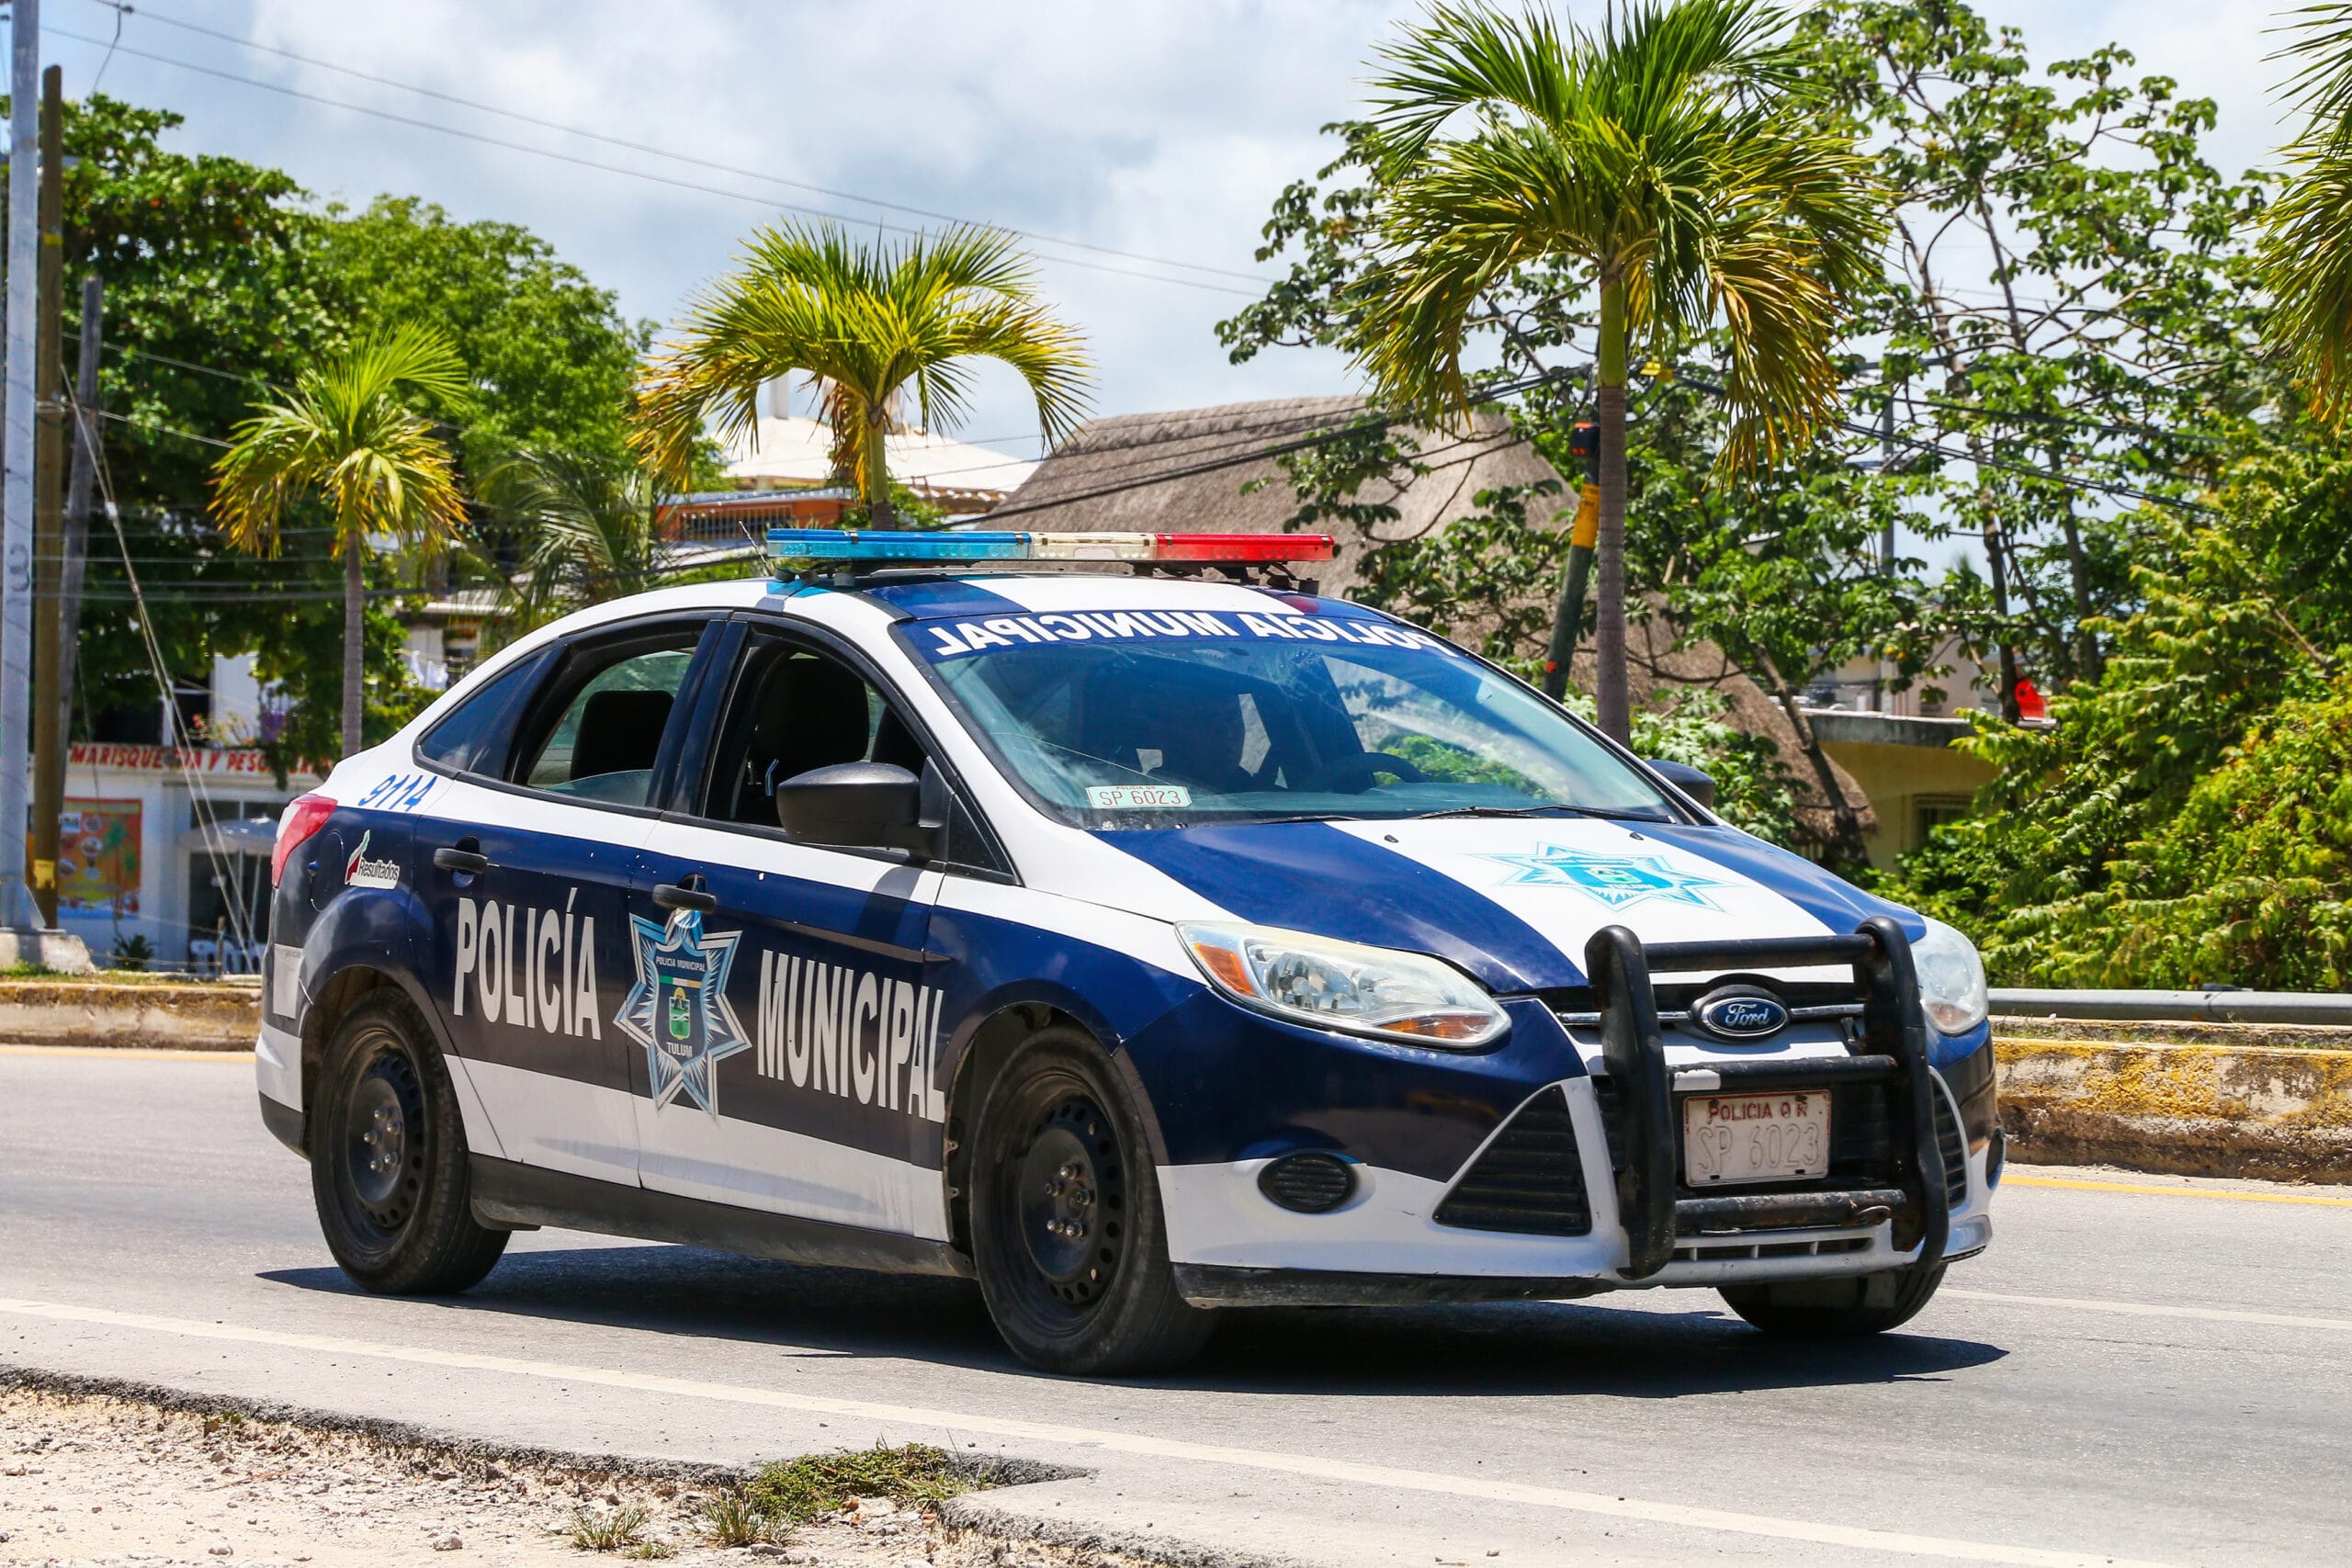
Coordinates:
619	1530
731	1518
915	1476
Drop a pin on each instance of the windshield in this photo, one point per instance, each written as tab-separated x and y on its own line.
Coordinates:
1161	719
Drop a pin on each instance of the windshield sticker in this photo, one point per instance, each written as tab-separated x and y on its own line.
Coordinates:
955	639
1137	797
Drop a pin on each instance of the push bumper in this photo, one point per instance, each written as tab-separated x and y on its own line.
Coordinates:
1581	1190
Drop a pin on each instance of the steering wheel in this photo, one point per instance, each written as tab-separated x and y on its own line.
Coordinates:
1365	765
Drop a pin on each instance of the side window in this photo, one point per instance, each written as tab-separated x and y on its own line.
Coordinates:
480	731
793	710
595	731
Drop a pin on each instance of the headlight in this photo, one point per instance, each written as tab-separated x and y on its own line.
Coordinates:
1951	979
1339	985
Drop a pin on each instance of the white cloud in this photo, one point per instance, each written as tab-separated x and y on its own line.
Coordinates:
1161	126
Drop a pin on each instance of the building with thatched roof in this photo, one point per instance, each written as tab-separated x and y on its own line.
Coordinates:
1208	470
1213	469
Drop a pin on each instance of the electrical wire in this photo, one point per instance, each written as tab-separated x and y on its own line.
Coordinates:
622	169
177	730
687	158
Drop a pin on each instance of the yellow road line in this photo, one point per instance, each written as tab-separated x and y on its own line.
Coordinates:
2012	1179
133	1053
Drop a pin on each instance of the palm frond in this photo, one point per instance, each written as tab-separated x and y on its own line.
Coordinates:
1671	155
347	433
2306	259
868	320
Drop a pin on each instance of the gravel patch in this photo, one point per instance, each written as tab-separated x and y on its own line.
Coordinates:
103	1481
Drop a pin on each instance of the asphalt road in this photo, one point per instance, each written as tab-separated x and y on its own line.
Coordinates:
2156	1376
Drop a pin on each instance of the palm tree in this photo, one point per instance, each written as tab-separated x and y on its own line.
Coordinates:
2306	252
1672	153
868	321
568	530
348	435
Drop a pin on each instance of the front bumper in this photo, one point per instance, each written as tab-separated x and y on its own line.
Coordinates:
1579	1189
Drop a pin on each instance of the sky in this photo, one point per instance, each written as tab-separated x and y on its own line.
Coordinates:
1157	132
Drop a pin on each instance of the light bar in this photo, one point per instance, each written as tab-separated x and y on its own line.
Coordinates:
792	546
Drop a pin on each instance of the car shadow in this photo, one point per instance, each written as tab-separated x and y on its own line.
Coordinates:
1534	1348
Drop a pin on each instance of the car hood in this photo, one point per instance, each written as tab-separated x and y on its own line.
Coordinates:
1510	900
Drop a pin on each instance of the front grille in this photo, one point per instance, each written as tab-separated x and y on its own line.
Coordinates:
1612	1119
1955	1151
1529	1179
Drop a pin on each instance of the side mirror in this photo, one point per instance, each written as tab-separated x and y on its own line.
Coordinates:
865	805
1699	786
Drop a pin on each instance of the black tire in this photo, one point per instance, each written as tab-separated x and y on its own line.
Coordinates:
1068	1233
388	1159
1836	1308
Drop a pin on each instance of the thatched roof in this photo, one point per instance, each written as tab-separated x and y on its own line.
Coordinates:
1200	470
1205	471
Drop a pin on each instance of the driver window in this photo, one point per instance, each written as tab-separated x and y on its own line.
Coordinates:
793	710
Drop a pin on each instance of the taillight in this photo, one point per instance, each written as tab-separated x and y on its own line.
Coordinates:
305	817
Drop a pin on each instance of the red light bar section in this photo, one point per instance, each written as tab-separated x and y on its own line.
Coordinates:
1244	547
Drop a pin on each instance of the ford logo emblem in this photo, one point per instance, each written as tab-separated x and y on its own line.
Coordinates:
1741	1015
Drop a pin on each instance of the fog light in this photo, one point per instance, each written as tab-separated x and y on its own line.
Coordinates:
1308	1183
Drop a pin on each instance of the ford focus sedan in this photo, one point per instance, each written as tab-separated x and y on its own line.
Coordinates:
1138	940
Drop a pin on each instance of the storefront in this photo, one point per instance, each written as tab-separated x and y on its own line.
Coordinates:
163	856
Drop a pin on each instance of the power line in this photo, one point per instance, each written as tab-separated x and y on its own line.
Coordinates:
687	158
605	167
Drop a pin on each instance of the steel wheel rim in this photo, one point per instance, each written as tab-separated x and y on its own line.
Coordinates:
1069	1206
384	1139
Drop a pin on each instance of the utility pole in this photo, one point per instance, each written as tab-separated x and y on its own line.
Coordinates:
1569	617
49	488
1885	693
16	912
80	479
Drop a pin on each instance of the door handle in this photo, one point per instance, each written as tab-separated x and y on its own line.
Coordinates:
458	858
671	896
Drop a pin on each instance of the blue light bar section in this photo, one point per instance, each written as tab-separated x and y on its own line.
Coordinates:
866	544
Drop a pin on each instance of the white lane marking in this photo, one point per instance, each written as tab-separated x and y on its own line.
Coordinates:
2144	1309
905	1415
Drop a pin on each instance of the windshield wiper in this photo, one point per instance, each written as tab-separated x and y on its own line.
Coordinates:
1601	812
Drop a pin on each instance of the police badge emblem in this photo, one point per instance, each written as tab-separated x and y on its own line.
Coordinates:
678	1009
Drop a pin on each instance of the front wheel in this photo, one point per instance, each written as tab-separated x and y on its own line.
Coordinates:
1836	1308
388	1159
1067	1235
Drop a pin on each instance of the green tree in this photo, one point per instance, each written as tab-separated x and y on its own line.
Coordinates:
870	322
2068	320
2080	865
550	356
209	299
347	435
1677	159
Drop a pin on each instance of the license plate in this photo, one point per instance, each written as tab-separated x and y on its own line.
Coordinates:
1754	1137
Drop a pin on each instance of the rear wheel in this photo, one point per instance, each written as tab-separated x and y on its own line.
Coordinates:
1848	1304
1067	1235
388	1159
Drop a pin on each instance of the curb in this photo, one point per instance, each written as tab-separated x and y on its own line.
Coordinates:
113	1017
2270	1114
2268	1102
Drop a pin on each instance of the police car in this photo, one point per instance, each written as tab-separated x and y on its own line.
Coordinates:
1139	941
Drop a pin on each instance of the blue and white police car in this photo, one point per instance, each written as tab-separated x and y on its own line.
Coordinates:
1139	941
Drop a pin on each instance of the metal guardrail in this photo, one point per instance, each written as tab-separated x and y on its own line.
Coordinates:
2179	1006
